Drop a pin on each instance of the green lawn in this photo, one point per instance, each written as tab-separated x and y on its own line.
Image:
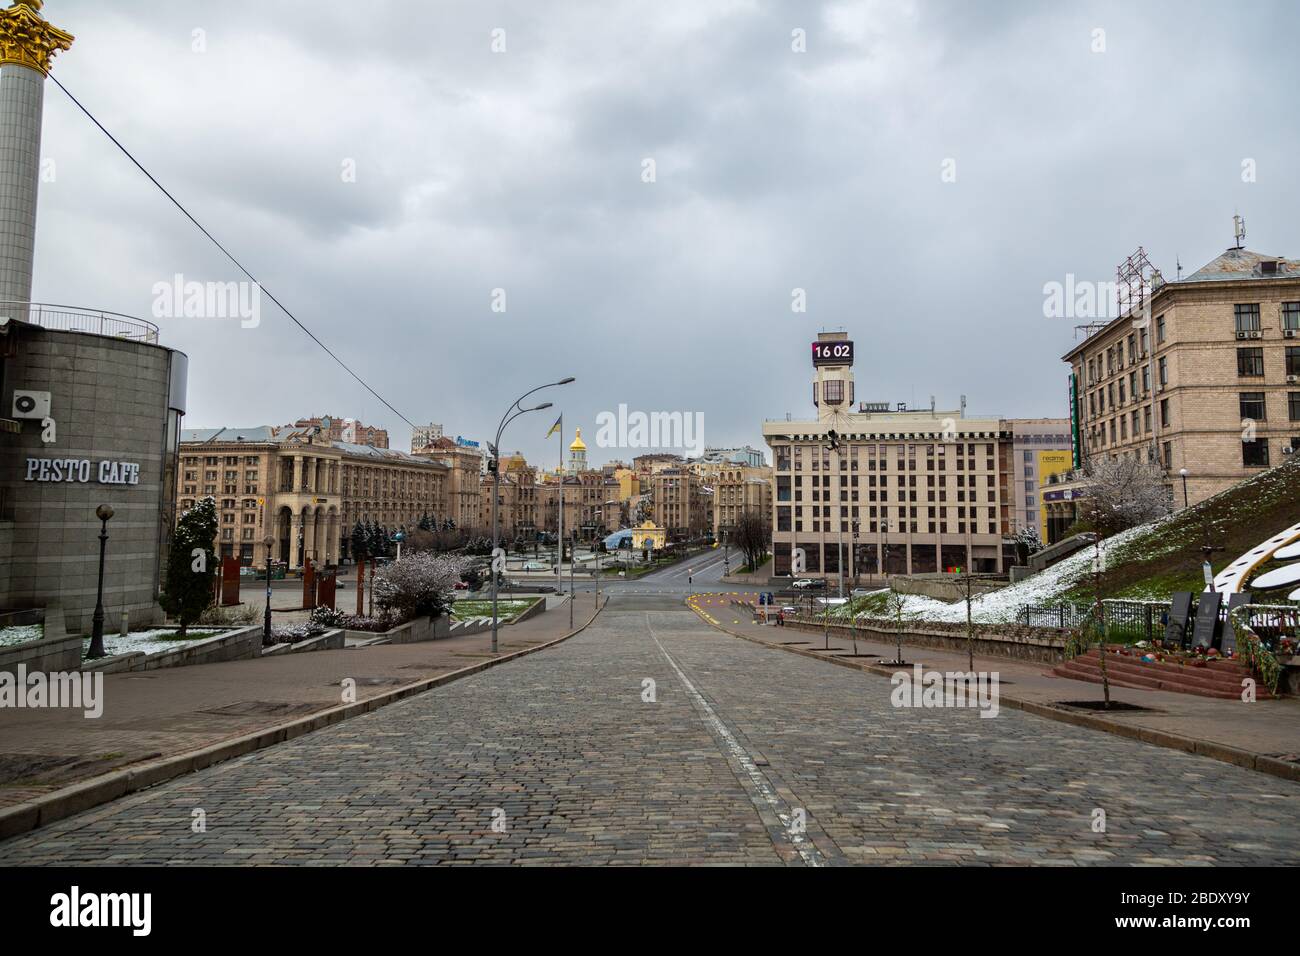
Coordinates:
507	610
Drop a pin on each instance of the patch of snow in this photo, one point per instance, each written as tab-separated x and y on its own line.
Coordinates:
1003	605
157	640
21	634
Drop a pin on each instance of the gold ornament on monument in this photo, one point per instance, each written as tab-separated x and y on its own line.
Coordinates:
29	40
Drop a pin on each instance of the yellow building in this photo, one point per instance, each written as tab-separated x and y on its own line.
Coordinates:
629	483
648	536
1051	463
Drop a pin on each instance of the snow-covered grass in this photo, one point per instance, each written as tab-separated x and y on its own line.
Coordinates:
21	634
506	610
1003	605
154	640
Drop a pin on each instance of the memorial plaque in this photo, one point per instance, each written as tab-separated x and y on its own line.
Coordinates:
1176	630
308	584
229	582
1207	620
325	587
1228	639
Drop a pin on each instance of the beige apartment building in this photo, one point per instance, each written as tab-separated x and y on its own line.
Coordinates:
1210	382
738	489
464	495
681	503
529	503
880	491
346	430
303	489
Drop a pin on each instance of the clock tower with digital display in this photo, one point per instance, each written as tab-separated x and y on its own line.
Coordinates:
832	356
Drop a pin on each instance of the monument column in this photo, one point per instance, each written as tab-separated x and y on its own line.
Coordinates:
27	45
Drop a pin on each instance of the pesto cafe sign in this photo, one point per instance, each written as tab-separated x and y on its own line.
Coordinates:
83	471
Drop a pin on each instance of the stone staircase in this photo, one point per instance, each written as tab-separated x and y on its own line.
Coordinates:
1221	679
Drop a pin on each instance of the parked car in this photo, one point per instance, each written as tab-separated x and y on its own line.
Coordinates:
810	584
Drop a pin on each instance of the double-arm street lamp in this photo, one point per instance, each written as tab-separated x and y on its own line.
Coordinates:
836	447
513	412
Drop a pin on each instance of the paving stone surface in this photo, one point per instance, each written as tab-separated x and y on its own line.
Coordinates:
746	755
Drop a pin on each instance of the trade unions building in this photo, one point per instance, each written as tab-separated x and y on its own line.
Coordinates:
877	490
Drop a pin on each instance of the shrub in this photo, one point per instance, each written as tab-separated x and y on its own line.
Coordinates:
329	617
291	633
420	585
241	615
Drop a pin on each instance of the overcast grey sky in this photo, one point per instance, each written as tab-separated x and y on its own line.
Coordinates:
523	170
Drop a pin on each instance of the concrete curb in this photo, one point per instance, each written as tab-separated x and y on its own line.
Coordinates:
88	794
1159	738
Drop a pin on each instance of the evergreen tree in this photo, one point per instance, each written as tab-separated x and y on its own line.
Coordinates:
360	542
378	541
192	564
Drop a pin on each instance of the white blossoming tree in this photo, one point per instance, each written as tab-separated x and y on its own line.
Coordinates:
1124	492
419	585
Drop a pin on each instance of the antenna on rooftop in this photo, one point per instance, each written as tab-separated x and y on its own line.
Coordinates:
963	406
1239	229
1179	263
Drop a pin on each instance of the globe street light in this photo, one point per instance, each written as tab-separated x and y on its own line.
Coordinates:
1183	473
103	513
513	412
269	541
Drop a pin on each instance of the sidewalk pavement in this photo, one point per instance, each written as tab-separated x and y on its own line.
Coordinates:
160	714
1264	735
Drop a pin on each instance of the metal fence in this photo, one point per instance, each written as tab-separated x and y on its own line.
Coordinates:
69	318
1147	620
1134	620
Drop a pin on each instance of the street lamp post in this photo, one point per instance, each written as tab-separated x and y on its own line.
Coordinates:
1183	474
269	541
103	513
513	412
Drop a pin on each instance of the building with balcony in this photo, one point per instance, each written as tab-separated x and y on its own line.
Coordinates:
90	409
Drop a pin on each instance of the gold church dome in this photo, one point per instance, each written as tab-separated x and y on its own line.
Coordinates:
578	443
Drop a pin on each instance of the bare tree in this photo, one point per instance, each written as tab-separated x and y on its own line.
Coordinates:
1124	492
750	535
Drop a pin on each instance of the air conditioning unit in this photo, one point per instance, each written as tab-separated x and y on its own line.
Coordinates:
1288	333
31	405
1241	335
1292	379
1256	334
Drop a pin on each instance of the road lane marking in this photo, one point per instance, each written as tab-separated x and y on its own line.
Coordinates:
808	853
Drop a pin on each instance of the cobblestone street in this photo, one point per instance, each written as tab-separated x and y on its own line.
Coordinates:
745	755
